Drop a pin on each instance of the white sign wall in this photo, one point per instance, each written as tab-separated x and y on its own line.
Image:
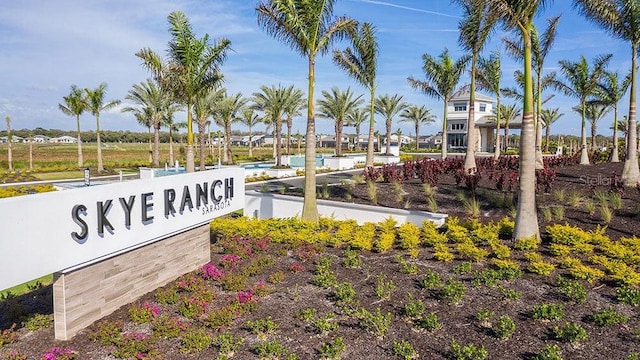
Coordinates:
45	233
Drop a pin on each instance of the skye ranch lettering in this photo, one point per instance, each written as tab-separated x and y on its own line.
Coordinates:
207	197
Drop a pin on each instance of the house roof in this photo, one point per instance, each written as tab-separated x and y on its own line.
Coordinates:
464	96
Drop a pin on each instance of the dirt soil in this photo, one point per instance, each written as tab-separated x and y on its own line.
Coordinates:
284	286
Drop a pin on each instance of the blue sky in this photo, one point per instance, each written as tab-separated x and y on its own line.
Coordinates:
46	46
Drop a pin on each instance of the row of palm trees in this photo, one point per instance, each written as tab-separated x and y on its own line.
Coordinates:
309	27
93	100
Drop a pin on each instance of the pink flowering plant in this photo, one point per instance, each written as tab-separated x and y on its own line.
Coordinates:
59	354
296	267
144	313
245	297
210	271
230	261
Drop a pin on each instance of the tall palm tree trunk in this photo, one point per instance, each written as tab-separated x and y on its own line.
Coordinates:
417	136
445	141
470	154
496	151
80	160
615	157
171	160
156	147
227	143
547	136
99	143
539	161
289	129
190	165
584	154
310	206
372	123
358	137
631	171
526	222
388	137
279	143
339	125
201	131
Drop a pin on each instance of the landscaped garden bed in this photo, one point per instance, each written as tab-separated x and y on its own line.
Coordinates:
282	288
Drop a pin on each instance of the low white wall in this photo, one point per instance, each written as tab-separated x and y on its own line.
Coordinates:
269	205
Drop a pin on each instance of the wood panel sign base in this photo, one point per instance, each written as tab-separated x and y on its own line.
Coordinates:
84	295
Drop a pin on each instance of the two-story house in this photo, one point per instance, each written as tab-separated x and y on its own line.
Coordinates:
457	116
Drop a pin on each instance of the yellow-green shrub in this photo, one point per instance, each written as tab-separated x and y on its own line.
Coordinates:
567	234
386	235
616	250
569	262
344	232
505	227
559	249
485	234
541	268
363	236
442	253
500	250
583	248
632	243
431	235
506	264
408	236
470	251
585	272
530	243
455	232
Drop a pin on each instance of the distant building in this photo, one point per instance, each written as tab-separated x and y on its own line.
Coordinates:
64	140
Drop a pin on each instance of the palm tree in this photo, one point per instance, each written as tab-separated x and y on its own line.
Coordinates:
309	27
540	48
74	105
251	119
355	118
361	64
293	104
273	102
621	18
203	109
95	104
506	114
417	115
609	92
442	78
173	127
548	117
581	83
593	112
475	28
225	112
192	69
151	97
337	105
489	76
389	106
518	15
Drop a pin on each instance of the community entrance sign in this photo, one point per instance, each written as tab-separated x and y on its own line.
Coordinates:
83	230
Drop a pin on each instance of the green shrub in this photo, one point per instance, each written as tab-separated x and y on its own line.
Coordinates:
414	308
344	292
325	280
572	289
37	321
377	323
468	352
194	341
227	344
405	350
429	322
351	258
332	350
462	268
548	312
549	352
263	327
628	295
570	332
505	327
323	324
608	317
453	291
384	288
484	317
272	350
431	280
